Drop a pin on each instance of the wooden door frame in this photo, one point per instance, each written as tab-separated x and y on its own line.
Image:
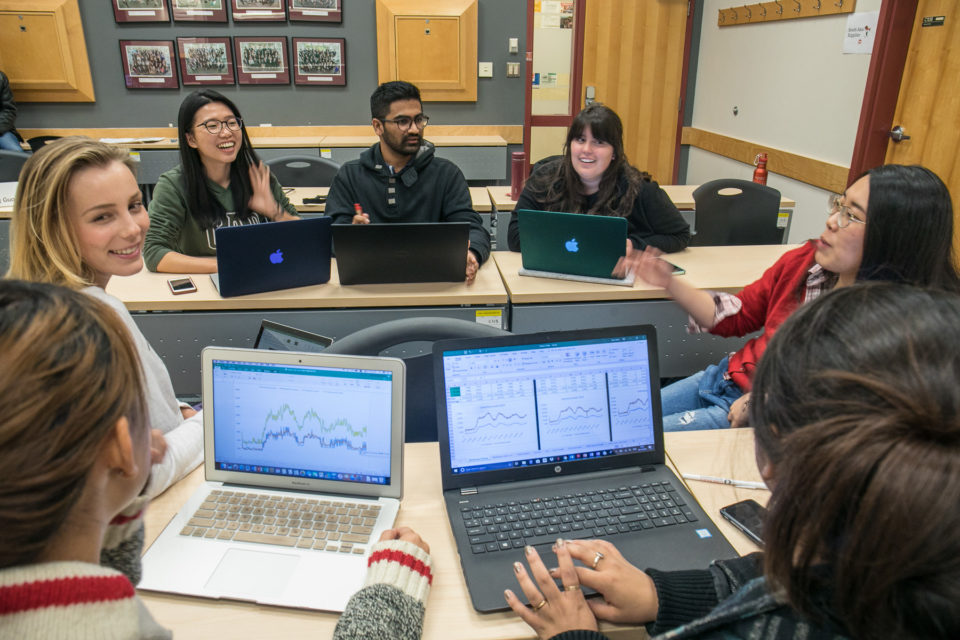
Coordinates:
576	78
894	29
684	78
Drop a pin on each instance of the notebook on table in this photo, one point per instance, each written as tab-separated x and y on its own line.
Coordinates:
560	435
401	252
303	466
572	246
271	256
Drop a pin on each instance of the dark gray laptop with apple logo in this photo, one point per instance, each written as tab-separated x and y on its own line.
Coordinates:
572	246
272	256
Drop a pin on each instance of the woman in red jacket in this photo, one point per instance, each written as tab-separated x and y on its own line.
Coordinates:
894	223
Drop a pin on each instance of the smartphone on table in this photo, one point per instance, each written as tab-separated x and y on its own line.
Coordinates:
181	285
748	516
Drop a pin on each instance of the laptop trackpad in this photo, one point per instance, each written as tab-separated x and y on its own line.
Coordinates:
255	574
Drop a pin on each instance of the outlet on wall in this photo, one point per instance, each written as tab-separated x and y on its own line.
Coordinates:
485	70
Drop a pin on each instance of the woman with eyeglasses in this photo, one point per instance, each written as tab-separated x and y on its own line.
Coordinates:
220	182
894	223
594	176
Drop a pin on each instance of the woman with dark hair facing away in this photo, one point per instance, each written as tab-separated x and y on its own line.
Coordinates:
594	176
220	182
857	430
78	221
74	457
894	223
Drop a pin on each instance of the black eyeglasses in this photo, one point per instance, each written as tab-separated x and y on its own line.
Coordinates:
216	126
404	122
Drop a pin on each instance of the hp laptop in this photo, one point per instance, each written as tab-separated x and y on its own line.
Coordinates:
303	465
572	246
271	256
560	435
401	252
280	337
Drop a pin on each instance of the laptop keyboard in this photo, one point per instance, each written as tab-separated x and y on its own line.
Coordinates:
598	513
305	523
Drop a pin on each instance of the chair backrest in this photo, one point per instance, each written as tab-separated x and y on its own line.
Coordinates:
10	164
421	406
304	171
36	143
736	212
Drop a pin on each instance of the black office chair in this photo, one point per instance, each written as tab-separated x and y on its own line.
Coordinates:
748	214
10	164
303	171
37	142
421	411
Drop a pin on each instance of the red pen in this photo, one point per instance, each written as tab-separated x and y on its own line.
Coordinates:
357	208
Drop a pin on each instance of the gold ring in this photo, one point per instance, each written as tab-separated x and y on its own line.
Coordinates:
542	604
571	587
596	560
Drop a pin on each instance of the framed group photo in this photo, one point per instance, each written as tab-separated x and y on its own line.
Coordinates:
205	61
149	64
199	10
259	10
261	60
140	11
319	61
316	10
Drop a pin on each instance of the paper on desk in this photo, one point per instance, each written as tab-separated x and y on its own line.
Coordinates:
130	140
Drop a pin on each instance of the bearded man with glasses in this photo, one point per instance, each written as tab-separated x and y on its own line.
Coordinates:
399	179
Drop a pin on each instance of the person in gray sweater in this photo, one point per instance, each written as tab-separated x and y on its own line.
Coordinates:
857	425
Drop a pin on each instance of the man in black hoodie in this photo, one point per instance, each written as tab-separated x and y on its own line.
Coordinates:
8	114
399	179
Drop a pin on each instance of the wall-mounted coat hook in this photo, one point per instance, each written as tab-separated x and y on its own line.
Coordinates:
763	11
779	7
839	4
749	13
799	6
817	5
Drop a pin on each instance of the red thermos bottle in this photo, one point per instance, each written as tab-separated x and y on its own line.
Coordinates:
518	170
760	173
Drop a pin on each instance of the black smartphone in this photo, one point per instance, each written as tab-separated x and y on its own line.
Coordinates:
747	516
181	285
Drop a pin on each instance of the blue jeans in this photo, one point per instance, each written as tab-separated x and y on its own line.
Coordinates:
701	401
9	142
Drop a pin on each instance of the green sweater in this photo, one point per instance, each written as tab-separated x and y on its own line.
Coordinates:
172	229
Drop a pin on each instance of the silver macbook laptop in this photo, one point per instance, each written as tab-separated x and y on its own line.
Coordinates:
303	463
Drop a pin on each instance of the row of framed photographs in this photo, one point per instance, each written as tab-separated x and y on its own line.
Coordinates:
216	10
152	64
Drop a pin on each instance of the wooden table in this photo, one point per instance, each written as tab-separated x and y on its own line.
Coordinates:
680	194
545	304
422	508
478	195
180	326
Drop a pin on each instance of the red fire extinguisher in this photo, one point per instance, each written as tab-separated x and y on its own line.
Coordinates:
760	173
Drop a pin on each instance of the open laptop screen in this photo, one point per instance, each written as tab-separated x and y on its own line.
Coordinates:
527	405
302	421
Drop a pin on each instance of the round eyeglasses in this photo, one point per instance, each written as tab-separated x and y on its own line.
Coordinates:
405	122
842	211
216	126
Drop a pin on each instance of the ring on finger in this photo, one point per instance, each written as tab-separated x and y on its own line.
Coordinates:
540	605
571	587
596	560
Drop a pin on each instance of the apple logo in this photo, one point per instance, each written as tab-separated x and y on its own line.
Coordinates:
276	257
571	245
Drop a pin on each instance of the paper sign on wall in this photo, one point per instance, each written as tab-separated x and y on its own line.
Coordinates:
7	191
861	32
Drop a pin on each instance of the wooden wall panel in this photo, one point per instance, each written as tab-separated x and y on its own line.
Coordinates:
633	55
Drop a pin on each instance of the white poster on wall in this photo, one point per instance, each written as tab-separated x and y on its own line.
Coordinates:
861	32
7	190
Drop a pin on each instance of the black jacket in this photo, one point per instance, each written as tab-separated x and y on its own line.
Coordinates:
428	189
653	220
8	108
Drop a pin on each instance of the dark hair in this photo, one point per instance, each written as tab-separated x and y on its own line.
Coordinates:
201	204
855	403
909	234
559	187
388	93
71	371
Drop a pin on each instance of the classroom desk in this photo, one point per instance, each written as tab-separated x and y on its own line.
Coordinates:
478	195
178	327
545	304
680	194
422	509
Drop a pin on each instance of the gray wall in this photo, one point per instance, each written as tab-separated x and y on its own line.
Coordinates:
499	99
